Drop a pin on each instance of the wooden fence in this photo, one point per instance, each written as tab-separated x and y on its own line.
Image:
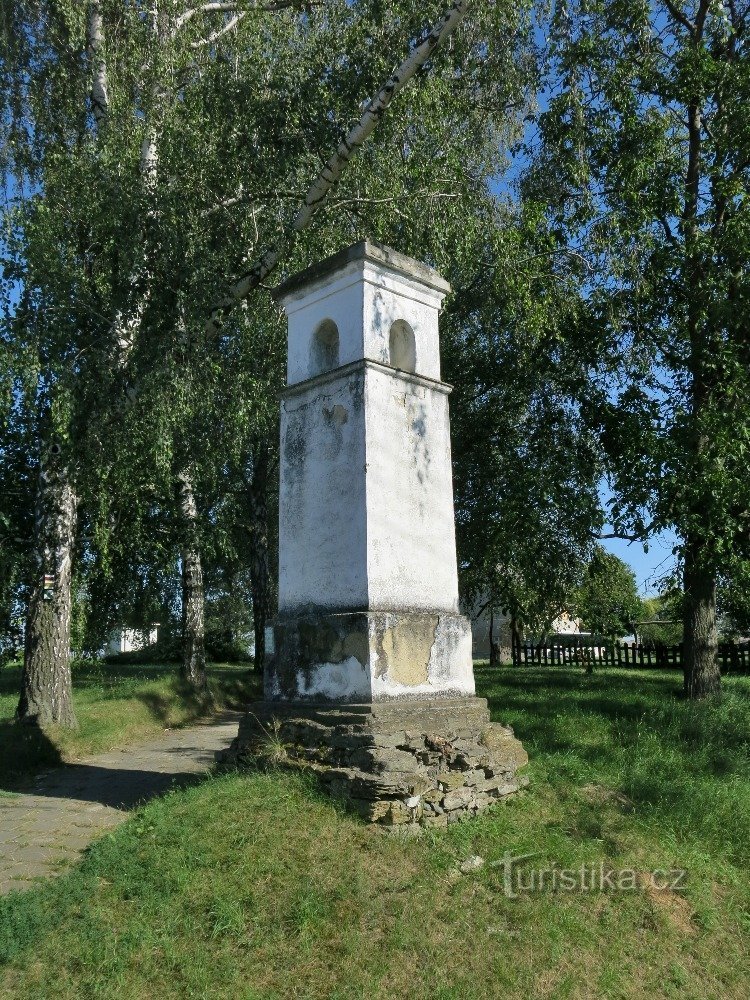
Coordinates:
733	657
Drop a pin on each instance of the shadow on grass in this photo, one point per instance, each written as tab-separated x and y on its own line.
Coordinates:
122	787
24	749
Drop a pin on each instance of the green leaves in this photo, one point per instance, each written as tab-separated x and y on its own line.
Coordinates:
648	167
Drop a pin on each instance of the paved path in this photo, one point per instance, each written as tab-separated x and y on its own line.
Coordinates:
47	825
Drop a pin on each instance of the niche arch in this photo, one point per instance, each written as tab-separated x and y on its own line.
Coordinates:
402	347
324	353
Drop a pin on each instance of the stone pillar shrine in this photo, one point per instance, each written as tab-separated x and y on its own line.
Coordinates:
370	677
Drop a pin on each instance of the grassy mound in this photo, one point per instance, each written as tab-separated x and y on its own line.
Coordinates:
253	886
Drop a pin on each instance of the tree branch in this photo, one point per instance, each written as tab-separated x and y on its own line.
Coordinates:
237	7
681	18
638	537
331	173
216	35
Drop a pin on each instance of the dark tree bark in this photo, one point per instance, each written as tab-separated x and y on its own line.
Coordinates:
494	642
700	635
260	576
515	638
193	624
46	682
700	642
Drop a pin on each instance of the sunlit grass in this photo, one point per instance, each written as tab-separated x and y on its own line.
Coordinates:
255	886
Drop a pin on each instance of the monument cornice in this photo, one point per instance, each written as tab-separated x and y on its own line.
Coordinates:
297	388
364	251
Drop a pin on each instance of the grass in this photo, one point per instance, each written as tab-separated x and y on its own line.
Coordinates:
251	885
116	705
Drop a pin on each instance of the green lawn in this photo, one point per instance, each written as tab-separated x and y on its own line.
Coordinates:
254	886
116	704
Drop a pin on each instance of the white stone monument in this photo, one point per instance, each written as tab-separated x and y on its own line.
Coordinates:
368	588
371	673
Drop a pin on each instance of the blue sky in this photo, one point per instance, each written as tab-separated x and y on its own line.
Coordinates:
649	567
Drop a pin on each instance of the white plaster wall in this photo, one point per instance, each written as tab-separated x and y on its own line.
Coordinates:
339	300
364	301
450	670
411	543
345	681
322	511
126	640
389	297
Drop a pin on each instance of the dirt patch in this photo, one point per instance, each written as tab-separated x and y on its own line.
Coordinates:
600	795
672	905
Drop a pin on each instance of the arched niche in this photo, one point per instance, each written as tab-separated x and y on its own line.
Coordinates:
324	354
402	348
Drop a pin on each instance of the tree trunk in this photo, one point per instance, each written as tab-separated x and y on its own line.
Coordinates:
494	642
193	626
260	576
700	638
515	640
46	683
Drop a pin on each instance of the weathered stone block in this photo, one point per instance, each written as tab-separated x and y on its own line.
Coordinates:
435	821
387	783
504	745
458	799
448	780
398	813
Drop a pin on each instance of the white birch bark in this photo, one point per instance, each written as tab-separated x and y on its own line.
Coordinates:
99	91
331	173
128	321
193	622
46	682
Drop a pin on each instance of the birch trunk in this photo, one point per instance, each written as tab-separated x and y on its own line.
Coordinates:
193	625
99	90
46	683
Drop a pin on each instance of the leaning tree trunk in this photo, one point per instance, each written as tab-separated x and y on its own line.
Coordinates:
332	170
46	683
193	626
700	640
260	576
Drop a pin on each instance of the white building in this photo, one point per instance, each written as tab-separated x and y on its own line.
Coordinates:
487	626
125	640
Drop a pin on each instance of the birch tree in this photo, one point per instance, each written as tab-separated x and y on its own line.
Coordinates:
41	114
160	193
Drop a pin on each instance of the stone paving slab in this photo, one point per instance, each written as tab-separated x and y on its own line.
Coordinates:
47	824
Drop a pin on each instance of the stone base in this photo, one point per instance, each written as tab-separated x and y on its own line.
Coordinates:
403	763
370	656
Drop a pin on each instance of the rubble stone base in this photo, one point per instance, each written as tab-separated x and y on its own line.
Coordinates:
401	763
